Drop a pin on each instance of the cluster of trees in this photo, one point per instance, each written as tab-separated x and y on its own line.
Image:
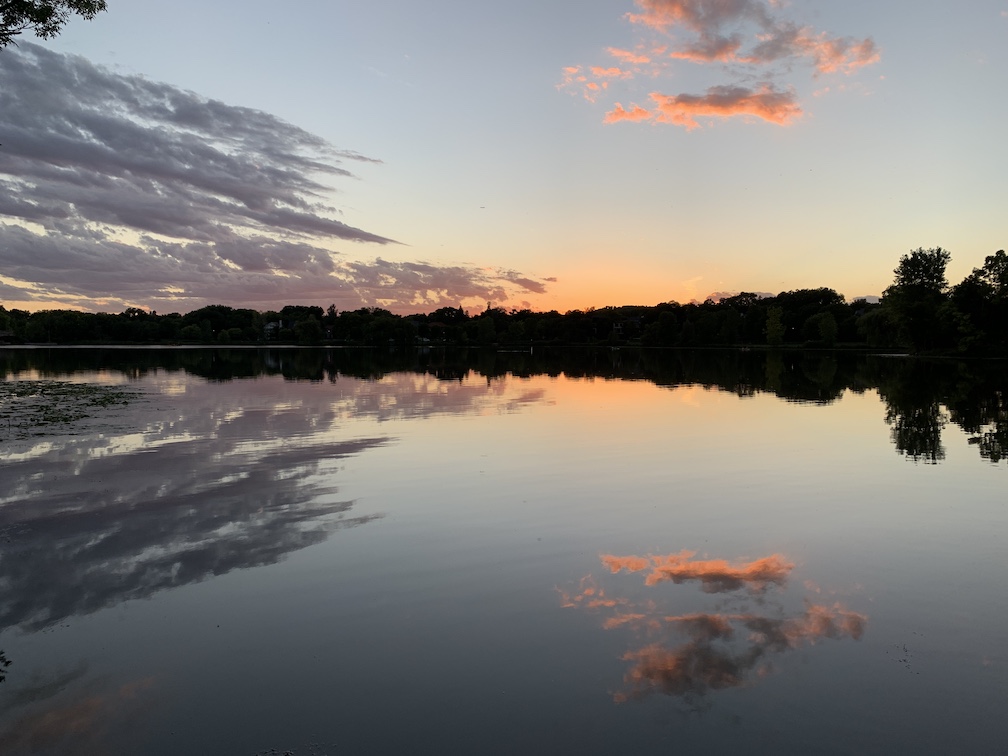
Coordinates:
217	324
919	312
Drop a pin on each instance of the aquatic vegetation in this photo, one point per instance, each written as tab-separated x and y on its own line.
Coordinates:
44	407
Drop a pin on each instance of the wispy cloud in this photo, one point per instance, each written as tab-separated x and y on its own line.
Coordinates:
739	41
632	58
118	189
97	147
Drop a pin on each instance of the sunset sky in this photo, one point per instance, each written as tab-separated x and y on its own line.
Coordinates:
553	155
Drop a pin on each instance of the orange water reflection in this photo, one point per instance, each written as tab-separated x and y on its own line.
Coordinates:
715	575
79	722
693	654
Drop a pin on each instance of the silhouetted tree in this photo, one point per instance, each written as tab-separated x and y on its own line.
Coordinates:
917	297
981	300
43	17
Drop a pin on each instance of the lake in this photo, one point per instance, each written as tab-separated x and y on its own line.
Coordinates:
567	551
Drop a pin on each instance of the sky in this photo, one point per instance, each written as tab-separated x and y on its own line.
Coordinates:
558	155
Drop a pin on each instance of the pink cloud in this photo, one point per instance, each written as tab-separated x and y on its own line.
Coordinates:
841	54
571	74
619	113
628	57
609	73
746	39
828	54
702	16
575	78
766	103
777	38
710	49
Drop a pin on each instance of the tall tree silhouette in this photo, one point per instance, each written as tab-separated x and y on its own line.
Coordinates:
917	298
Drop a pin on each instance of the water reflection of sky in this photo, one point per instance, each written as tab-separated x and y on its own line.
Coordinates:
87	532
215	480
431	617
690	655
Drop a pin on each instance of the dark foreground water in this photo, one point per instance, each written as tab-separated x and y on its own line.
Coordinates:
608	552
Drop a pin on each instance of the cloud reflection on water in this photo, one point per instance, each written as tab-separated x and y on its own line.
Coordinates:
195	482
722	649
708	662
161	519
715	575
97	519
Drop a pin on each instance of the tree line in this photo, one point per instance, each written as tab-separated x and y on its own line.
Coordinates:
918	312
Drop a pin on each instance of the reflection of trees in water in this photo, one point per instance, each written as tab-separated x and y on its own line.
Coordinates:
980	407
911	391
921	397
993	443
93	524
916	431
690	656
914	390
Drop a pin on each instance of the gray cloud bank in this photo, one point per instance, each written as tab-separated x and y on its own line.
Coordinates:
118	190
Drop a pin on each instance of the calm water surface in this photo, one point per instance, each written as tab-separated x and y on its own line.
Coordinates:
476	558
